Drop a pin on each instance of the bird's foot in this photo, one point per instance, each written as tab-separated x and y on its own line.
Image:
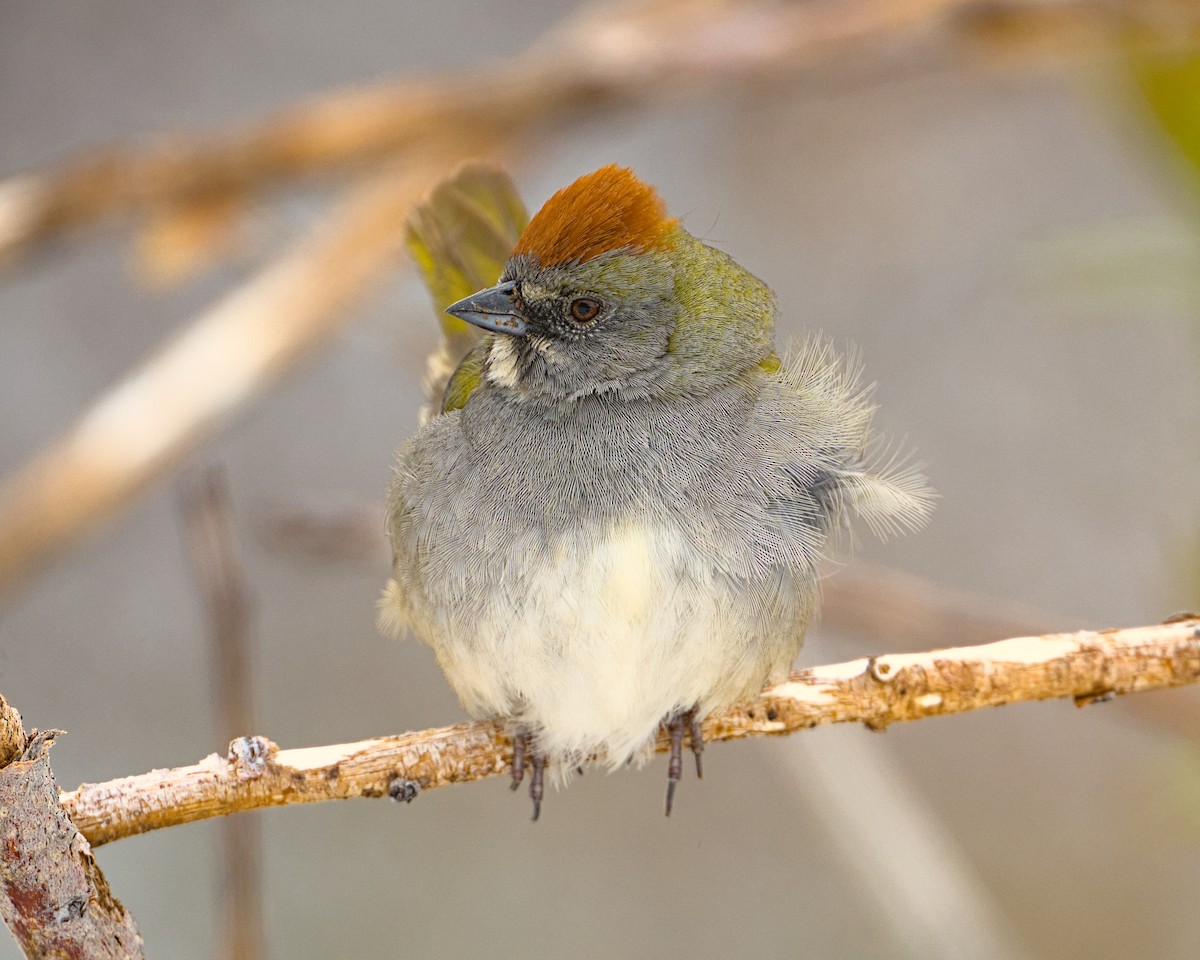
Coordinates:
675	726
520	753
525	756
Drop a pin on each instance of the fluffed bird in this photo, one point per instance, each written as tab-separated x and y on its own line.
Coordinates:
617	522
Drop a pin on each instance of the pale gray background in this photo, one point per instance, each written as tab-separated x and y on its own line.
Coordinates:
910	212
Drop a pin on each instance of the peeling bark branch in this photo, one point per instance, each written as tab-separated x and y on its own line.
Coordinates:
1086	666
53	896
882	604
12	734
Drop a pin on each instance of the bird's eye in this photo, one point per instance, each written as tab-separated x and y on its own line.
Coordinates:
584	309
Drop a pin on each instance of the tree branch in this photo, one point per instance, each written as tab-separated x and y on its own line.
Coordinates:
242	344
874	603
1087	666
12	733
610	53
53	896
337	132
206	510
229	355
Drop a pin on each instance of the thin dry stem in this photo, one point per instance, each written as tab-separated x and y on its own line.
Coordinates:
1086	666
208	529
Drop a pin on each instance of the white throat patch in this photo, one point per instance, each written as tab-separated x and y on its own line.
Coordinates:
502	362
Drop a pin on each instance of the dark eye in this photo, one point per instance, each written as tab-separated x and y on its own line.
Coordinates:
584	309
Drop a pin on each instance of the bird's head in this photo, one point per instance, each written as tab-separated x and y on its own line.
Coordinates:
605	294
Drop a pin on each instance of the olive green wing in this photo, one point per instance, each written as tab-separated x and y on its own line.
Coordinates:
466	376
462	235
460	238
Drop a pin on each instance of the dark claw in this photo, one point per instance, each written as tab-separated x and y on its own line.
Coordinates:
536	782
696	736
675	765
520	749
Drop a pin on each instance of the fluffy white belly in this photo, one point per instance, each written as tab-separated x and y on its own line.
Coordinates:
591	647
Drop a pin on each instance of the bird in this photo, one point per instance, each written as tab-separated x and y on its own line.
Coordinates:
617	521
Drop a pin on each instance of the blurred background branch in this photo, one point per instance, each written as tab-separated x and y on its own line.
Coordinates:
224	359
400	139
608	55
208	532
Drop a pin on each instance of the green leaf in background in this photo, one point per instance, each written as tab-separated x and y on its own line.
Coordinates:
1170	83
1107	271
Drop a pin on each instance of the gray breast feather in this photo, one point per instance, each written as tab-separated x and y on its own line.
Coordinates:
758	474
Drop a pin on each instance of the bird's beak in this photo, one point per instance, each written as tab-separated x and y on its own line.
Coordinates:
493	309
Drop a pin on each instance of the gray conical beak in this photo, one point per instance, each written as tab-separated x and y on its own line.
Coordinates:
492	309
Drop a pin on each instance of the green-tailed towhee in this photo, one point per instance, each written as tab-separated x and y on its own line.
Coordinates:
617	520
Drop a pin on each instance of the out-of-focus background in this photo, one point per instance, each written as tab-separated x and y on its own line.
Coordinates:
1000	215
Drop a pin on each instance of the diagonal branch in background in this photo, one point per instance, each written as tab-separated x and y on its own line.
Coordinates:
53	896
608	54
246	341
632	51
222	362
1086	666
